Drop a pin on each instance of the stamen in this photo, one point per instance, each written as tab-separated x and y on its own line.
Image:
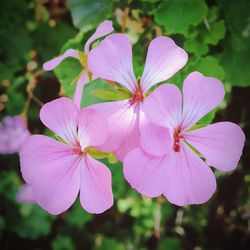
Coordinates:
138	97
78	151
177	137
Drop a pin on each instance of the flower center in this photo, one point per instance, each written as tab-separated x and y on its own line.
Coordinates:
78	151
177	137
138	97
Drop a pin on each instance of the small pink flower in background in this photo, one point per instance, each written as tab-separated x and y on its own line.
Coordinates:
166	162
13	132
58	170
103	29
25	195
112	60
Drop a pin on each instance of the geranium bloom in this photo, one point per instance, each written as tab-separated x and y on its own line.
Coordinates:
112	60
166	163
103	29
57	170
13	132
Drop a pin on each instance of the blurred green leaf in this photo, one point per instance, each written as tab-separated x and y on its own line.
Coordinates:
9	184
16	98
35	222
235	57
169	243
186	12
62	242
209	66
77	216
108	244
88	14
195	46
215	33
68	72
55	39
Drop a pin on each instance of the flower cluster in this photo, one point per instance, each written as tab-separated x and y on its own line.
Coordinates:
153	132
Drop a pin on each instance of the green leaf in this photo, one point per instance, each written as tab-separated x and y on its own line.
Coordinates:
196	47
87	15
208	66
170	243
236	54
208	118
215	33
178	16
104	94
110	95
16	98
88	98
55	39
63	242
77	216
35	222
68	72
236	65
237	14
108	244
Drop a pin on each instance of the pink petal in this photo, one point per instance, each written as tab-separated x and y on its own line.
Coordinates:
52	171
188	179
131	132
155	140
103	29
96	189
25	195
164	59
201	94
220	143
51	64
145	173
122	119
163	106
112	60
92	128
84	79
60	116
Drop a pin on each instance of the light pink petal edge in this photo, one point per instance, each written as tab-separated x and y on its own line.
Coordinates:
112	60
96	187
51	64
92	128
61	116
201	94
164	59
188	179
145	173
103	29
52	171
220	143
163	107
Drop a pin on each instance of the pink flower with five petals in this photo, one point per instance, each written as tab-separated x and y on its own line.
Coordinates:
166	162
112	60
57	171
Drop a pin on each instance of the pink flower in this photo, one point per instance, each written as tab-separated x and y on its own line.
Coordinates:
57	170
167	163
103	29
25	195
13	132
112	60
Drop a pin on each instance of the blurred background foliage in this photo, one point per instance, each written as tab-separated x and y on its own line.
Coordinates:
215	33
